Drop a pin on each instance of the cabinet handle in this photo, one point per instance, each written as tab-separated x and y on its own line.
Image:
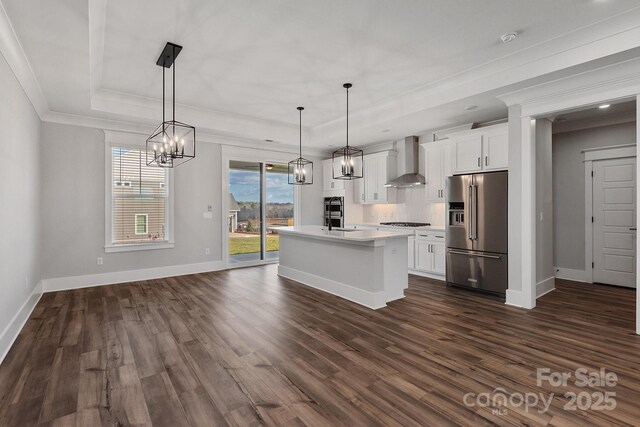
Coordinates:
363	197
486	160
332	185
375	196
479	161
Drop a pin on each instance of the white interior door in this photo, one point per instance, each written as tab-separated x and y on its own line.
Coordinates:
614	222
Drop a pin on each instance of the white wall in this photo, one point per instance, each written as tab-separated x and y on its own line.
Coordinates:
73	197
568	187
74	201
20	207
545	272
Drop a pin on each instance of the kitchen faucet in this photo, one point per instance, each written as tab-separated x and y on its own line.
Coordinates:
330	203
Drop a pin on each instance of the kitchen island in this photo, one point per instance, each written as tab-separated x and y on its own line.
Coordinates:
368	267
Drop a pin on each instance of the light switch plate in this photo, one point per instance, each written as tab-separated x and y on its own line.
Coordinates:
207	215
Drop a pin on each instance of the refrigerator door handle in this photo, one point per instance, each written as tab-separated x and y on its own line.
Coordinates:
475	255
471	212
475	212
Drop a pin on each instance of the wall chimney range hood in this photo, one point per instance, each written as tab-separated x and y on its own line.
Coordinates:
408	166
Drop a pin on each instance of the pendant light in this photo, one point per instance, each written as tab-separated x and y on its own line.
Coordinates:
347	161
173	142
300	169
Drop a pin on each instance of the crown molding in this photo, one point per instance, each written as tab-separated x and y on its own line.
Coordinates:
611	82
13	53
595	42
233	125
128	132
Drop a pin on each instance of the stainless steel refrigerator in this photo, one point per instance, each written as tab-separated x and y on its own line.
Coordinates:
477	231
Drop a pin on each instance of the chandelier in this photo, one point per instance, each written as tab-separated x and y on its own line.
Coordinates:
300	169
173	142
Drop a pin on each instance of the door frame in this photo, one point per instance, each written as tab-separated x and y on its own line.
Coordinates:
593	155
258	156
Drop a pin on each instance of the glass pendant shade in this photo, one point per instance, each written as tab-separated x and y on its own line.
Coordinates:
300	170
173	142
347	161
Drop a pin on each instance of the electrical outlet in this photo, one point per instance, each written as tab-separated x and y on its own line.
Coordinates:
99	261
207	251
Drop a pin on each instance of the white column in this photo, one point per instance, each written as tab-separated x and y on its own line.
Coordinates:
522	193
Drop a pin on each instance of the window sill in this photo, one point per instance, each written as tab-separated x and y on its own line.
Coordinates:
138	247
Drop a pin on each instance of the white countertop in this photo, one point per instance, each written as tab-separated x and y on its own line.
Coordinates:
321	232
425	228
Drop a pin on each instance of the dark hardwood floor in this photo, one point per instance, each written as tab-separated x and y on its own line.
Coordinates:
244	347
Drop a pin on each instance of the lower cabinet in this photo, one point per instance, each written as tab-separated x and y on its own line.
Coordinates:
430	253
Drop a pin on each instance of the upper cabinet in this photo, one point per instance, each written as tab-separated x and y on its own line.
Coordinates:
331	187
480	150
437	167
378	169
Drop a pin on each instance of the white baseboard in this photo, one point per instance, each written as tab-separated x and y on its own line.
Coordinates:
570	274
373	300
11	332
77	282
429	275
545	286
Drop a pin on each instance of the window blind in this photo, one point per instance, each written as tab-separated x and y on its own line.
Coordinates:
136	190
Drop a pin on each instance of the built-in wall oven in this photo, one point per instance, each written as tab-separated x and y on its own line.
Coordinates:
334	211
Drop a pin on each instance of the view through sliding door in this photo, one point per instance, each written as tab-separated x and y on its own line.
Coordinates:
259	198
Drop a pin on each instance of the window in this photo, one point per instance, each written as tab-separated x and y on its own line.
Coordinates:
138	202
141	224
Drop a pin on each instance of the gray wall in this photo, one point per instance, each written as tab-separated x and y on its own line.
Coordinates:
20	206
544	201
74	201
73	197
568	187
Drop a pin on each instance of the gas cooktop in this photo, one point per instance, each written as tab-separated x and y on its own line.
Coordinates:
406	224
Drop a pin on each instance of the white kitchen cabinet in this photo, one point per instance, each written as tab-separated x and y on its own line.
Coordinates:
496	151
438	250
358	191
437	168
466	153
378	169
410	252
430	253
479	150
330	186
424	257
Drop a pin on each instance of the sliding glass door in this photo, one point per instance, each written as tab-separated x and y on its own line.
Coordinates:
259	198
278	205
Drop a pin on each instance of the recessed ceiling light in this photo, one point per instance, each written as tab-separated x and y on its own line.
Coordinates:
470	107
385	130
603	106
509	37
268	140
